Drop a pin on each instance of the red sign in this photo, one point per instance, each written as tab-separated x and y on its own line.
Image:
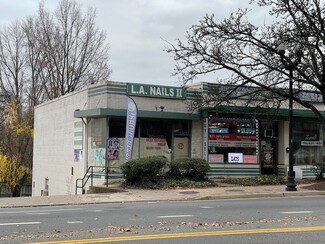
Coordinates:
250	159
232	137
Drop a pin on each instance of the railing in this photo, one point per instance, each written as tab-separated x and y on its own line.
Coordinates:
109	173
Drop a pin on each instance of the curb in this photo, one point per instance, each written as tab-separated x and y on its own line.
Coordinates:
263	195
209	197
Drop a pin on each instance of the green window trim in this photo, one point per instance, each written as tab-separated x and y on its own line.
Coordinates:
103	112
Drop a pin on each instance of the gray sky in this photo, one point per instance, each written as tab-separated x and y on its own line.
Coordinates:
136	30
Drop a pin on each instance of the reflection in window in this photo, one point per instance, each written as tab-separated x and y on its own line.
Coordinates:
308	145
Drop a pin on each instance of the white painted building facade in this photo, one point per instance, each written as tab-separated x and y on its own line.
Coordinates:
73	132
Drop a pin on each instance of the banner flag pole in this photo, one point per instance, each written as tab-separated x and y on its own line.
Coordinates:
131	120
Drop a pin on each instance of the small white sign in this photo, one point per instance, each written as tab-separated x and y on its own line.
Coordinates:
235	158
312	143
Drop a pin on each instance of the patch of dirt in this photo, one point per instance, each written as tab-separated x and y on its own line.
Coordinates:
316	185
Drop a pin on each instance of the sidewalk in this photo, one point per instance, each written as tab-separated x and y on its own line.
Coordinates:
135	195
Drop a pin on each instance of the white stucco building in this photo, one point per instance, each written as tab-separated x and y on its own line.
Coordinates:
78	130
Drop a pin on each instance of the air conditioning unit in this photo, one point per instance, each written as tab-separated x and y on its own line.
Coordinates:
268	133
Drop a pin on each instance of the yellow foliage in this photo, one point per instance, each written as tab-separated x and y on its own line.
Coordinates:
15	124
11	172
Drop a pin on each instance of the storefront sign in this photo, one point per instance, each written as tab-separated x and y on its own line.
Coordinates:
216	158
219	130
156	91
205	138
235	158
233	143
312	143
250	159
232	137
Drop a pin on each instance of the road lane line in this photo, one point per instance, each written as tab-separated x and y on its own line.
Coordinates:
174	216
188	234
41	210
297	212
21	223
75	222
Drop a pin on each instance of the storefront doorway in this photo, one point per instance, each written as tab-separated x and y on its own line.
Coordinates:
181	147
269	147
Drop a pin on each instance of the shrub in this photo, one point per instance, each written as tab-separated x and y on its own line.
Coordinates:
257	180
189	168
142	170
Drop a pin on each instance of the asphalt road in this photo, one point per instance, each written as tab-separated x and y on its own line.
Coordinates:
267	220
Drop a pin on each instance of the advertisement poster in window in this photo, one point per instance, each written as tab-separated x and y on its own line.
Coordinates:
267	156
113	149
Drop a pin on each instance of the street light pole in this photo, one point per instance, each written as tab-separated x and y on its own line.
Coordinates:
290	65
291	185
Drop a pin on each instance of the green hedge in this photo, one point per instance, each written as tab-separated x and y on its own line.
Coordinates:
142	170
156	168
189	168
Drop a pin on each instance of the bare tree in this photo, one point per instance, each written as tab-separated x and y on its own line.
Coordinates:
248	54
41	58
73	51
14	143
12	62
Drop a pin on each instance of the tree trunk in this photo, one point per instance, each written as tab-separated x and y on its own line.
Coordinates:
16	191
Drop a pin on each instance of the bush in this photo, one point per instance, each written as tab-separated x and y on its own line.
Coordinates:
142	170
257	180
189	168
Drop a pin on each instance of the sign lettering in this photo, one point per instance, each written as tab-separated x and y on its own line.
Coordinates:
156	91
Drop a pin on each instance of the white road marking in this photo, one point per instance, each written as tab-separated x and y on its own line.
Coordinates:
39	211
297	212
206	207
21	223
75	222
174	216
94	211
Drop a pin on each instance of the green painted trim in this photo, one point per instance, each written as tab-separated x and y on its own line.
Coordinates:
121	89
107	89
222	174
234	170
262	113
230	164
78	133
103	112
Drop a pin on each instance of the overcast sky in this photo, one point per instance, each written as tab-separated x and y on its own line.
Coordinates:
136	30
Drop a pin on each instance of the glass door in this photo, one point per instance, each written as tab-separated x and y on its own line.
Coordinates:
181	147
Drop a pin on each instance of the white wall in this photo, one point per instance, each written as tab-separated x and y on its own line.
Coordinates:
197	139
54	145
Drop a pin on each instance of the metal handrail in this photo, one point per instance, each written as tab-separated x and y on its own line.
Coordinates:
90	174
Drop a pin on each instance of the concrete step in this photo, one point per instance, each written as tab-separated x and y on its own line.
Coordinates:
106	189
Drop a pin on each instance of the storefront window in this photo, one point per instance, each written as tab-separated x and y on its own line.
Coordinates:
232	140
308	143
97	142
156	137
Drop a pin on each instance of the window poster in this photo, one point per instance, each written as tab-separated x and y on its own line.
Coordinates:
99	155
113	149
235	157
77	155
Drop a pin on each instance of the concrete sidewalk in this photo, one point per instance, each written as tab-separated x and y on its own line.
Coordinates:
136	195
